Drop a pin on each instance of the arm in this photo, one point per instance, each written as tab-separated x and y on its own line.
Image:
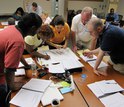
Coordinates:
73	39
66	41
30	49
93	43
10	76
98	61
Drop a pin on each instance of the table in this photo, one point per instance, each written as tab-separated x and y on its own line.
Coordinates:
88	95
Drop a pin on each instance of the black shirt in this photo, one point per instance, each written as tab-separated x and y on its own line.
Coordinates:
112	42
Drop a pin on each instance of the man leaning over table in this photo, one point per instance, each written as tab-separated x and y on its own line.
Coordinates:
111	42
80	37
11	49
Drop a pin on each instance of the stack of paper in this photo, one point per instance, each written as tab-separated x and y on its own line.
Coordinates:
51	93
20	72
31	93
28	60
64	57
86	59
114	100
105	87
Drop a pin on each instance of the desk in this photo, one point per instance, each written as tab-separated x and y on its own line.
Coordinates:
88	95
74	99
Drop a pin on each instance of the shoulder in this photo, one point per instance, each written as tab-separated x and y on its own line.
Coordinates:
29	40
67	27
77	18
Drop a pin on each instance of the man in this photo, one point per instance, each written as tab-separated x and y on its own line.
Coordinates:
80	36
111	42
112	17
35	9
11	49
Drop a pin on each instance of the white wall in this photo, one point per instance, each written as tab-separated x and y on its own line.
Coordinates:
120	8
9	6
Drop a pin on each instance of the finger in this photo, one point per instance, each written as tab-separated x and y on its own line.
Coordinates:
104	73
96	72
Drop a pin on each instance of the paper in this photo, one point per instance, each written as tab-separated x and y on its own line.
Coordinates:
38	85
26	98
63	56
109	86
28	60
4	23
86	59
20	72
114	100
105	87
56	68
102	64
51	93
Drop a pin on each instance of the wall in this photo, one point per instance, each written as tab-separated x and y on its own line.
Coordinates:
9	6
120	8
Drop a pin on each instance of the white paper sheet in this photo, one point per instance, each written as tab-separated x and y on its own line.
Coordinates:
102	64
37	85
115	100
51	93
20	72
86	59
4	23
26	98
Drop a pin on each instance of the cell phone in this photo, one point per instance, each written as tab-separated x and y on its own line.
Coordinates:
41	74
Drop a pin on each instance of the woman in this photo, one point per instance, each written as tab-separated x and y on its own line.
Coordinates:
61	33
18	13
44	34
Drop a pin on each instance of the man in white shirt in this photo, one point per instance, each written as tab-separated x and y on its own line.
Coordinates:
34	8
80	35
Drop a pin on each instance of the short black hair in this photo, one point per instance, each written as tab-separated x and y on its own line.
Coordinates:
28	21
21	10
57	20
34	4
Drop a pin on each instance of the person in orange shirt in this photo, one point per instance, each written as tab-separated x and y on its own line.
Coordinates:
61	33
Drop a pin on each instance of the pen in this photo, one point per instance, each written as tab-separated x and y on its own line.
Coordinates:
90	60
55	63
111	83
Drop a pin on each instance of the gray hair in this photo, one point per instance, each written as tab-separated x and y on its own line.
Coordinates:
87	9
96	22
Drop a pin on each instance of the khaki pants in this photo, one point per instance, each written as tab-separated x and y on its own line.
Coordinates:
117	67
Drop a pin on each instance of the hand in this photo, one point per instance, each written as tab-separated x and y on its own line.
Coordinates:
74	49
104	73
58	46
64	46
46	57
89	54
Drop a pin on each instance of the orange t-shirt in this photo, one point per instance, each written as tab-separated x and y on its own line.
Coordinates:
60	37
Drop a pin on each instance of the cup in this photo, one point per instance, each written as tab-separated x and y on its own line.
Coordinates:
55	103
33	68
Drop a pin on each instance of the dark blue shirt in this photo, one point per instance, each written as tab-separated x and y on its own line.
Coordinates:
112	41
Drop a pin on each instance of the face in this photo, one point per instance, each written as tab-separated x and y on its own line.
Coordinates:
85	17
34	8
93	32
59	28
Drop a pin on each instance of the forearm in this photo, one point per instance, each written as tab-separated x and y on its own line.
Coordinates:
99	59
96	51
93	44
10	76
73	38
23	61
50	43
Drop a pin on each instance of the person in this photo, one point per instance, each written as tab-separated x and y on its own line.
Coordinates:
80	37
12	46
46	19
111	42
32	42
61	33
11	21
18	13
35	9
112	17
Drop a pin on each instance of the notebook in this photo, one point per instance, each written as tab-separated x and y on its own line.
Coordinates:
51	93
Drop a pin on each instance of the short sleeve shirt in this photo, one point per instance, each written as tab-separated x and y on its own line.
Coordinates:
11	48
112	41
60	37
33	40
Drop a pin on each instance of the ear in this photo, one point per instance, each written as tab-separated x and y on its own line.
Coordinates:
99	29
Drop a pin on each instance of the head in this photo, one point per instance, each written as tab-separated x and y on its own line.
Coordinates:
86	14
58	23
44	15
34	6
29	24
95	27
20	11
45	32
112	11
11	21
